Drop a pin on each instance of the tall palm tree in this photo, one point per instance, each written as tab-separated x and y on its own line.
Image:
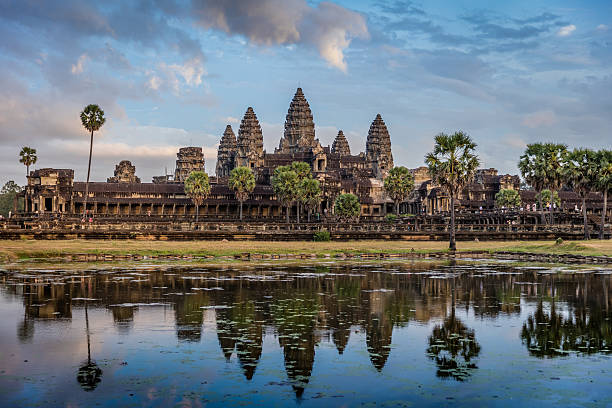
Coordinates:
28	157
554	157
285	182
197	187
398	185
603	182
242	181
92	118
578	172
310	194
532	167
303	172
452	165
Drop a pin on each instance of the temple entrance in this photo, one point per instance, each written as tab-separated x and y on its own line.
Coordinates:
48	204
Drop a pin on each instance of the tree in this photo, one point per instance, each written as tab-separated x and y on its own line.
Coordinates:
554	157
603	181
309	194
8	197
549	198
347	206
284	183
532	169
197	187
578	172
302	170
398	185
452	165
507	198
92	118
28	157
242	181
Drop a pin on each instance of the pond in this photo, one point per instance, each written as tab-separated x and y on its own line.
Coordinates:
322	334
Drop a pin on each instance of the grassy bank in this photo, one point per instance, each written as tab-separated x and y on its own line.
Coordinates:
14	250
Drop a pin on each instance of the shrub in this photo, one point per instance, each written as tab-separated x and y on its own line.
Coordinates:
321	236
391	217
559	241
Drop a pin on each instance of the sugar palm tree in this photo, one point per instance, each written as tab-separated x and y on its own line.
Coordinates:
303	172
398	185
603	181
28	157
92	118
452	165
310	194
197	187
284	183
554	157
578	173
532	167
242	181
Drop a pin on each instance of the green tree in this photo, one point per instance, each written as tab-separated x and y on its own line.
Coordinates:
554	157
242	181
92	118
8	197
507	198
302	170
532	167
284	183
398	185
546	197
197	187
309	194
603	181
347	206
452	165
28	157
578	173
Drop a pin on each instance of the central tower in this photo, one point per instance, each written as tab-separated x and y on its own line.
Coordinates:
299	126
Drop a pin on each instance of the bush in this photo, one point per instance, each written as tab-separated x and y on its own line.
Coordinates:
321	236
559	241
391	217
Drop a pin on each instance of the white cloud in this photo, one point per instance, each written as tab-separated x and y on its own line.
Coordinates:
539	119
602	27
566	30
78	67
154	82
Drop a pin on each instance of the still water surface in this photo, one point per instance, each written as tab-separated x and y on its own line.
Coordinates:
425	334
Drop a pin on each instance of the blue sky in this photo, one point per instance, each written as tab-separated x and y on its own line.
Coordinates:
174	73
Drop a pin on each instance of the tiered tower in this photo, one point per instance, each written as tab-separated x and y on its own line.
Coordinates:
378	148
188	159
226	155
340	145
250	151
299	127
124	173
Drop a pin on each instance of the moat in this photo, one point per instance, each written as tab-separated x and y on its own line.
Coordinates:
325	334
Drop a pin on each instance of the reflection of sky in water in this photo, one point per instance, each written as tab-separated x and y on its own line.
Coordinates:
430	334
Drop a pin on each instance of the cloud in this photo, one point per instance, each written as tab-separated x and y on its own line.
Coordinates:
539	119
602	27
327	27
566	30
231	119
78	67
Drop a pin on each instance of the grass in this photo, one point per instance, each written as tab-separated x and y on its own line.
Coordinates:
34	249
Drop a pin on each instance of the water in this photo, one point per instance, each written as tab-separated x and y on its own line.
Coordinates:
388	334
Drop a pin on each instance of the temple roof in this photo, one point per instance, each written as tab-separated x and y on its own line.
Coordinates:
340	145
299	125
250	130
229	138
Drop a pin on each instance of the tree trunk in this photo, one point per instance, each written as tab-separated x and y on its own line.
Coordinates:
452	246
309	215
88	172
287	213
298	212
25	206
542	216
240	210
552	206
397	204
584	217
603	214
197	212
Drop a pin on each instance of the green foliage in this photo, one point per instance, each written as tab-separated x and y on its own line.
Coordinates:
532	166
391	217
28	157
301	169
242	181
322	236
7	198
603	170
545	198
347	206
452	164
559	241
309	193
197	187
92	118
508	198
398	185
285	182
579	171
10	188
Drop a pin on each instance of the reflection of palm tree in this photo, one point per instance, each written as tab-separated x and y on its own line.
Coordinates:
452	346
25	329
89	374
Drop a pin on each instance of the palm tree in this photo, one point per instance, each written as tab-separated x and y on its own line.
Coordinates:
532	168
554	157
197	187
398	185
302	170
28	157
579	175
284	182
92	118
242	181
452	165
89	374
603	181
310	194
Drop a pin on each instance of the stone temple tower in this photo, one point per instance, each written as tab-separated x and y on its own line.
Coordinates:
188	159
378	148
340	145
226	154
250	151
299	127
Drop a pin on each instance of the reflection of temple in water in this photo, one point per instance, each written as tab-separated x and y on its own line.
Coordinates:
303	311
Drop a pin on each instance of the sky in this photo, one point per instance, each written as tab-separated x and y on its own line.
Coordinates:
173	73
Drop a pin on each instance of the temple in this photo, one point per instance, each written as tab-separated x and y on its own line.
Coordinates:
338	171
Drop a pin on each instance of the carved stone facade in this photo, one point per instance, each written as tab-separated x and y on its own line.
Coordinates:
124	173
188	159
226	154
378	148
250	151
299	133
340	145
